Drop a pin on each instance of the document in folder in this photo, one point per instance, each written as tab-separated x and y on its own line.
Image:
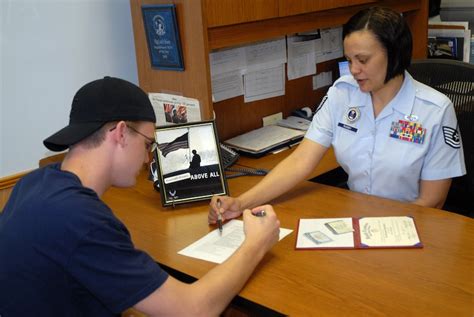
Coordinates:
265	139
358	233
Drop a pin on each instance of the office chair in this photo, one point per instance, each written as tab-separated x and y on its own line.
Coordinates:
456	80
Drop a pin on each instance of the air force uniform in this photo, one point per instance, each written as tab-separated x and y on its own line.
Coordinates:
414	137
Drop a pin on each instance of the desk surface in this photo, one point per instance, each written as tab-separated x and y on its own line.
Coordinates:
436	280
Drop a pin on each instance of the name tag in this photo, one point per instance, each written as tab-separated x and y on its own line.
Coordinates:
347	127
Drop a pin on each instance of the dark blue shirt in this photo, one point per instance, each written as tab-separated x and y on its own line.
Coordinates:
64	253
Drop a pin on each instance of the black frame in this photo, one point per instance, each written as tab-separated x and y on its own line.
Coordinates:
181	179
162	34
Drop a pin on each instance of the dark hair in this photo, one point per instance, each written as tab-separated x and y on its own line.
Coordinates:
97	138
391	30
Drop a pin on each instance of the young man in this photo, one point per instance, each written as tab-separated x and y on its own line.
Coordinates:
64	253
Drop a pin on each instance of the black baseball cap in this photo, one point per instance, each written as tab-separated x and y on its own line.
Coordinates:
98	102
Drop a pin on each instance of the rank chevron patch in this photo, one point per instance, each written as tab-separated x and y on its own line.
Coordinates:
451	137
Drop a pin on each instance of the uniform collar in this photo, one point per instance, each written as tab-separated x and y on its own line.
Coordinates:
403	101
358	98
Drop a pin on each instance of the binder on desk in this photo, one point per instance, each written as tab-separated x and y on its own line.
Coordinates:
263	140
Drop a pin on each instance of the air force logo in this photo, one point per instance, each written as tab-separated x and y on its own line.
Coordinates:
353	114
159	25
451	137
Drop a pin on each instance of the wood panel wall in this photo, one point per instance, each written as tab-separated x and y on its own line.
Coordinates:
207	25
194	81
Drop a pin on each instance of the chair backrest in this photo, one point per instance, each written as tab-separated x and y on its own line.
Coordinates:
51	159
456	80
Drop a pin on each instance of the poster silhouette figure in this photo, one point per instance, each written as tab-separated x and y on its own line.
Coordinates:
196	161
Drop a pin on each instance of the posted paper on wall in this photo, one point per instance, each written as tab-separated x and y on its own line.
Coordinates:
229	60
264	83
301	57
265	55
173	109
227	85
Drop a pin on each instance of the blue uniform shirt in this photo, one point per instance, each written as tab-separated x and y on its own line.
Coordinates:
415	137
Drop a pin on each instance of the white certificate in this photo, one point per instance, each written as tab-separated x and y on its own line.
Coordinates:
388	232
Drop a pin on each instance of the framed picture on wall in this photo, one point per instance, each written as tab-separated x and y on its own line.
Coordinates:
189	163
162	34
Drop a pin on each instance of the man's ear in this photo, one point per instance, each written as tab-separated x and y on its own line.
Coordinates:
118	134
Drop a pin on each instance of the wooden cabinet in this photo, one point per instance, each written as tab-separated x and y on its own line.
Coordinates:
217	11
206	25
291	7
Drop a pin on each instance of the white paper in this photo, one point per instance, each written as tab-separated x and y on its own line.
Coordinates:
227	60
388	231
318	46
264	83
227	85
345	240
322	80
301	57
260	61
265	55
373	232
217	248
174	109
330	45
333	38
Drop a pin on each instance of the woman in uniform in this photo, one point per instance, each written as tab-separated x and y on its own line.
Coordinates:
394	136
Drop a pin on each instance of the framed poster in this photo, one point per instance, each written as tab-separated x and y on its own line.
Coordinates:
162	34
189	163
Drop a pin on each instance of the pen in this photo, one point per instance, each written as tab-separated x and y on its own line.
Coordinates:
219	216
260	213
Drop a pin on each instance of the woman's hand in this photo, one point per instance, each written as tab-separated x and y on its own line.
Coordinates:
228	207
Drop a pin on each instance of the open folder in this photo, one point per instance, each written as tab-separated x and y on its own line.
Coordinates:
358	233
265	139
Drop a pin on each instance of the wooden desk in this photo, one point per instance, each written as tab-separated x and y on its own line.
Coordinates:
434	281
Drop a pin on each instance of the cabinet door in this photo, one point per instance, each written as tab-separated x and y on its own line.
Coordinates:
227	12
292	7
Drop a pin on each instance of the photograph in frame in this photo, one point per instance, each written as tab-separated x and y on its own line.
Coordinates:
162	34
188	163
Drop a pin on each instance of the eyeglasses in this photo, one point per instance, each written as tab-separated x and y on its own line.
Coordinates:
149	146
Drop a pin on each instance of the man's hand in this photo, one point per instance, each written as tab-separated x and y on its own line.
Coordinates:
262	231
